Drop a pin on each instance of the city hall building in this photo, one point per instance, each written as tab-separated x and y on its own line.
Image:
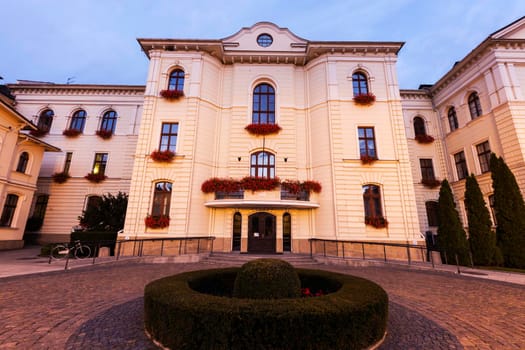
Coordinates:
265	140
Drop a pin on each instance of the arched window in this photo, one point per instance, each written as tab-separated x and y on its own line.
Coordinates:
9	210
263	111
237	229
78	120
432	213
359	83
109	121
419	126
45	120
262	164
23	160
176	81
161	199
452	119
287	232
474	105
372	201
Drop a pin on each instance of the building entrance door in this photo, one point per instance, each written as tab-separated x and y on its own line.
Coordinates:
261	233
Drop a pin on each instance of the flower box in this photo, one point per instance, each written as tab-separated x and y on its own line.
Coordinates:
105	134
312	186
294	186
262	129
160	221
162	156
61	177
171	94
424	138
376	221
431	183
366	159
38	132
365	99
221	185
71	132
95	177
259	183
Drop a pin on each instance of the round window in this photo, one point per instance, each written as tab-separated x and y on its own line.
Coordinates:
264	40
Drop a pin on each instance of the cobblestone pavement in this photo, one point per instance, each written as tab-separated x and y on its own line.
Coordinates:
100	307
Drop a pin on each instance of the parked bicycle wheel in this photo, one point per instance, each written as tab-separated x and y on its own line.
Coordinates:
82	252
59	251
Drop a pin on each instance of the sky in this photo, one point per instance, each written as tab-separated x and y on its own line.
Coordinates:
94	41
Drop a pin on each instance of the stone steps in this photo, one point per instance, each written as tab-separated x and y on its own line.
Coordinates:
239	259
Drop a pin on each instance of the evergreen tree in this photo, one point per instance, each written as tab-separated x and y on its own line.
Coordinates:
108	216
481	237
510	213
451	237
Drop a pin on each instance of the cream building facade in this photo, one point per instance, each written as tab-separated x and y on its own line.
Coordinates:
377	151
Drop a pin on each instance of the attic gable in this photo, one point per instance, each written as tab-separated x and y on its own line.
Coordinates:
515	30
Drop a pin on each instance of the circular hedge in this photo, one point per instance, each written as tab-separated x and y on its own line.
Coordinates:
195	310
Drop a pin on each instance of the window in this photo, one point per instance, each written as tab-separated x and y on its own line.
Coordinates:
484	156
452	119
372	201
99	165
432	213
263	105
419	126
23	160
264	40
427	169
262	164
367	142
67	162
474	105
93	202
359	83
45	120
461	165
9	210
161	199
168	137
176	81
109	121
40	206
287	232
78	121
237	229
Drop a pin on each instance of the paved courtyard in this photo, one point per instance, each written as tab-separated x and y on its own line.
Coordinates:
100	307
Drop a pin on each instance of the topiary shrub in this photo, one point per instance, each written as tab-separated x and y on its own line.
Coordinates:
195	310
267	279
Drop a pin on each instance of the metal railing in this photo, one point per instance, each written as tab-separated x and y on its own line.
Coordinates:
393	252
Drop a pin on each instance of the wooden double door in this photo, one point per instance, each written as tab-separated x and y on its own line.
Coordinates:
261	233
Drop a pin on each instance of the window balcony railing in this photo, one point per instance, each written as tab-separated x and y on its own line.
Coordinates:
229	195
299	196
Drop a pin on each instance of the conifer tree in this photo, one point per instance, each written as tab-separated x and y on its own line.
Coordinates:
481	237
108	216
510	213
451	237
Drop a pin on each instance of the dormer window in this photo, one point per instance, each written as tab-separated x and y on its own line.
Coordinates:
264	40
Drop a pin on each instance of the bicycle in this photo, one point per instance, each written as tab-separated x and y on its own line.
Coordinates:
78	250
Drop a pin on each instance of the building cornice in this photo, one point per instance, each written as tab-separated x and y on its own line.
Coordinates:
409	94
76	89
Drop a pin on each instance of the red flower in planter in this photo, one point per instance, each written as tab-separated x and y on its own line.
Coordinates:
292	186
162	156
220	185
38	132
259	183
424	138
365	99
105	134
61	177
158	221
171	94
71	132
376	221
366	159
432	183
95	177
312	186
262	129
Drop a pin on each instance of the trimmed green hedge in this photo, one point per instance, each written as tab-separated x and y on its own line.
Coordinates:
194	310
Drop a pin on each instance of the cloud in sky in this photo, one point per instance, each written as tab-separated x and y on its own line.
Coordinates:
94	40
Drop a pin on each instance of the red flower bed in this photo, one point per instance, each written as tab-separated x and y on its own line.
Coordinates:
38	132
71	132
368	159
262	129
95	177
61	177
432	183
105	134
162	156
424	138
220	185
365	99
377	222
171	94
259	183
306	292
160	221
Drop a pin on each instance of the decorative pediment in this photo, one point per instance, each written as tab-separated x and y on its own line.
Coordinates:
515	30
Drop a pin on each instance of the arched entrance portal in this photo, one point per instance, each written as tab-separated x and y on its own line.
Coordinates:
261	233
